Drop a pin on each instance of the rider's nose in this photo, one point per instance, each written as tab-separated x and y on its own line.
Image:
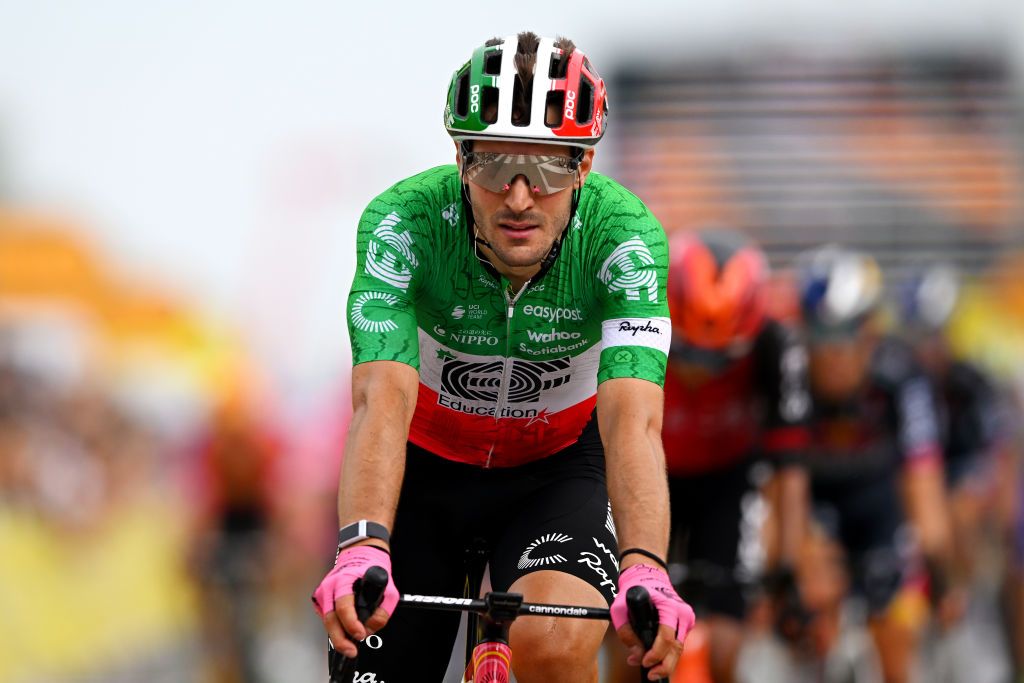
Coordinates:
520	195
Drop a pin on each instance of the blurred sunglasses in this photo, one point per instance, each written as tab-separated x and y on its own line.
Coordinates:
544	173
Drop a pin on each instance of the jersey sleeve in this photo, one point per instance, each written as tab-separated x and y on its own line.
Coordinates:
914	409
784	388
631	277
381	314
985	415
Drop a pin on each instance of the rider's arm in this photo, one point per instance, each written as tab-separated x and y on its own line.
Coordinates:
629	413
383	400
792	510
924	486
782	373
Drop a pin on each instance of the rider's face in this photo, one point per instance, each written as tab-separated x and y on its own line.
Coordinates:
520	224
838	368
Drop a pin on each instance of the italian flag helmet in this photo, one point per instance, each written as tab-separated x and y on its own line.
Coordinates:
566	102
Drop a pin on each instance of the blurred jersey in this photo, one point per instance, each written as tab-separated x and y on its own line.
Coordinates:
891	422
972	418
759	403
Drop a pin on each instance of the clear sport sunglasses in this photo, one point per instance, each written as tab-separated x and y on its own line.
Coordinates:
545	173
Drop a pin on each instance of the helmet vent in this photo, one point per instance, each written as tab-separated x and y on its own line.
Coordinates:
489	104
492	63
559	65
585	101
521	114
554	108
462	95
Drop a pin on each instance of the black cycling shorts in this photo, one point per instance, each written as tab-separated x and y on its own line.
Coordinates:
552	514
708	529
866	516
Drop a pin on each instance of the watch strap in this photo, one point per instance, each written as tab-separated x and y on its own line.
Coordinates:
360	531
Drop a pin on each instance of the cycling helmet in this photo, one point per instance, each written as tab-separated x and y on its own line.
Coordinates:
716	285
481	94
929	297
839	288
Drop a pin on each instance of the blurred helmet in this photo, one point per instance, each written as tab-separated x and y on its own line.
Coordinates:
716	285
929	297
481	94
838	287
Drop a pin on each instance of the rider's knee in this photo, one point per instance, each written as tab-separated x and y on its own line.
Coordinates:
542	647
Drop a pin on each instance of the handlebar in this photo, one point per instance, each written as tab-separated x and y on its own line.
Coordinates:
497	607
503	607
368	591
643	619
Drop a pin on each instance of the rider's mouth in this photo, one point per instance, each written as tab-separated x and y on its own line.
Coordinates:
519	229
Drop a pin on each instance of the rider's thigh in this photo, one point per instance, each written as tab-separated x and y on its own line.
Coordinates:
556	648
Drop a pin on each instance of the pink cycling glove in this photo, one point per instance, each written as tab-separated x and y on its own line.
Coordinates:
350	565
672	610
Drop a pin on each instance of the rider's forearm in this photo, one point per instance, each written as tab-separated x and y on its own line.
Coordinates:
928	510
637	484
374	464
792	512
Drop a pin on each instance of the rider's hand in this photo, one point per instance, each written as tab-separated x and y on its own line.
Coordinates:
676	618
791	617
334	602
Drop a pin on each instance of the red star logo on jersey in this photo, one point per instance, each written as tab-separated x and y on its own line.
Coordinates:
542	416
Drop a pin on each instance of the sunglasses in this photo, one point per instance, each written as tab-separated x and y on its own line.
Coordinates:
545	173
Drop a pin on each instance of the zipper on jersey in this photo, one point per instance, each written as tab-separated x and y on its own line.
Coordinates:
506	367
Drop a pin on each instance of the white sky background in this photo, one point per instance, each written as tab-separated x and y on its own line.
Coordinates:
229	147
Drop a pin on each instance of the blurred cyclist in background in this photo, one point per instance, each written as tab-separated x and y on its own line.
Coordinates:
980	464
735	392
876	459
234	545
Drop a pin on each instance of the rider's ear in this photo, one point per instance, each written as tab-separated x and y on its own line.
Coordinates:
585	165
458	156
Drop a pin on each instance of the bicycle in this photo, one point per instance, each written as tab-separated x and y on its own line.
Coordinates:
490	659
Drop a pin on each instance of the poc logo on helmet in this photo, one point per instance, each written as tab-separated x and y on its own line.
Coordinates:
570	104
474	98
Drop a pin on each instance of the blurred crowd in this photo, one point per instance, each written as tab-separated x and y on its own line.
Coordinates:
159	520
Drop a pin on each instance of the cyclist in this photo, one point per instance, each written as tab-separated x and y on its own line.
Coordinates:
875	459
509	334
736	390
979	460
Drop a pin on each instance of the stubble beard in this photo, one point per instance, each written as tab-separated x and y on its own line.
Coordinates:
518	257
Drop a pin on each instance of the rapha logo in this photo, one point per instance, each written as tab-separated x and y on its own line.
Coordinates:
365	678
481	381
626	326
594	562
607	551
